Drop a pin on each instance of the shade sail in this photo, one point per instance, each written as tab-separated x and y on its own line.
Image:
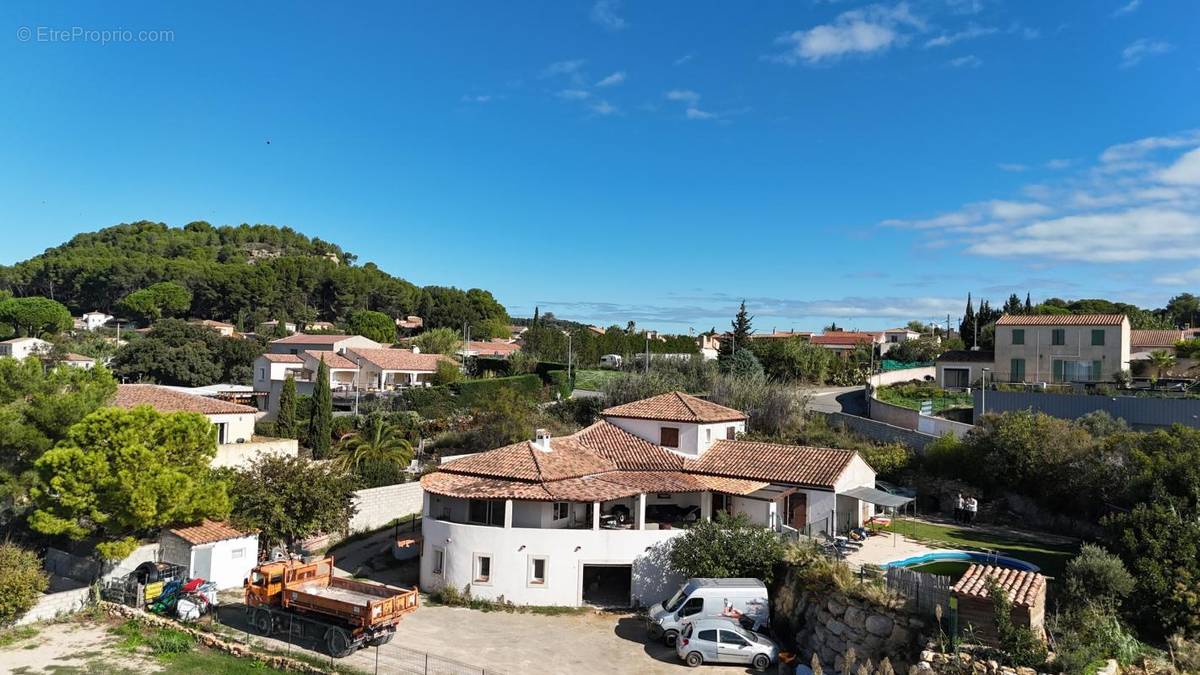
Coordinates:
877	497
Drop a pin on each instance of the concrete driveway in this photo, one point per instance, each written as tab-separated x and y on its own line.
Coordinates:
850	400
596	643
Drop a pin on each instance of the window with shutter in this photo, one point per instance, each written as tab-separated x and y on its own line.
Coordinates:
1098	337
1058	336
670	437
1018	336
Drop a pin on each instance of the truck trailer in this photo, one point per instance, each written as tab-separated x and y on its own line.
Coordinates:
306	600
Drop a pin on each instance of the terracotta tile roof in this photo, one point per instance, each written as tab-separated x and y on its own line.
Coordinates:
332	359
209	323
567	458
799	465
1061	320
491	348
72	356
283	358
167	400
781	335
1155	338
627	451
306	339
1023	588
676	406
594	488
207	532
733	486
844	338
400	359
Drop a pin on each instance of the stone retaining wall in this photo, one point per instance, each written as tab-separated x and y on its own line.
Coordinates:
962	663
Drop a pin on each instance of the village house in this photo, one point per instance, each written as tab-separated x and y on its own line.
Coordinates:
219	327
237	445
843	343
892	337
496	348
1052	348
23	347
388	369
579	519
95	320
410	323
213	551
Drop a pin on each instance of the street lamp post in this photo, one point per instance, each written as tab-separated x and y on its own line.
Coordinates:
983	392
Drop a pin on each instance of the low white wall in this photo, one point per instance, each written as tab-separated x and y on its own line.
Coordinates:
903	375
379	506
54	605
239	455
566	552
940	426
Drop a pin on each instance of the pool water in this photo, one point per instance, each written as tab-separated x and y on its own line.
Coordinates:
954	564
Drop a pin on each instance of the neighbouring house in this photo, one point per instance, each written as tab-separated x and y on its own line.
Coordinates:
963	368
215	551
234	393
710	346
1061	348
782	335
843	343
895	336
581	519
219	327
79	361
320	325
268	327
515	332
389	369
303	342
410	322
498	348
1025	589
95	319
23	347
237	445
1142	342
597	330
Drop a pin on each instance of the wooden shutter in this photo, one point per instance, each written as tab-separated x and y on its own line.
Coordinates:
670	437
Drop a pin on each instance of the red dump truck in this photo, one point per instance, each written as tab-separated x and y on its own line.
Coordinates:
306	600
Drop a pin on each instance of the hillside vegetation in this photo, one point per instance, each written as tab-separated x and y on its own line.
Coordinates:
242	274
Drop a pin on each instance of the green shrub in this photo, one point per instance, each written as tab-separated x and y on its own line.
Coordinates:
168	641
473	393
1097	576
21	581
560	383
1089	634
727	547
1018	642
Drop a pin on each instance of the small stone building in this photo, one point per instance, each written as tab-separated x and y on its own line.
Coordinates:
213	551
1026	590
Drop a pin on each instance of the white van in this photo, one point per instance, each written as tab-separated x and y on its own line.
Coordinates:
740	599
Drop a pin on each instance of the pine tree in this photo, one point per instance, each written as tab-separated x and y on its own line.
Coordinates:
285	421
742	330
320	425
1013	305
966	328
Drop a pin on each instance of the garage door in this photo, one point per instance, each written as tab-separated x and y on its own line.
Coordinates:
608	585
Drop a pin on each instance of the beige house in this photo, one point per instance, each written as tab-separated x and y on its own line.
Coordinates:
1053	348
388	369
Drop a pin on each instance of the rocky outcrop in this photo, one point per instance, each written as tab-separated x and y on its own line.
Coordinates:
962	663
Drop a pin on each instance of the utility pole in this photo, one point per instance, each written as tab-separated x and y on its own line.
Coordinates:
647	352
569	357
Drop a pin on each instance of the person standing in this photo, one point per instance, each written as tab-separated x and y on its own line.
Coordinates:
972	509
960	508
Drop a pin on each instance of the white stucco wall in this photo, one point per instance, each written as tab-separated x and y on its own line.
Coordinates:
225	570
566	552
242	454
239	426
694	439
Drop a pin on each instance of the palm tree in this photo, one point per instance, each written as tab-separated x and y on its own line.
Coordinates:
378	441
1162	361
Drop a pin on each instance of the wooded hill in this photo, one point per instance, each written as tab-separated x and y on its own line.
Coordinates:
242	274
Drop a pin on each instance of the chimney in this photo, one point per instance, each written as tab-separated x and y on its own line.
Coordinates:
541	439
416	349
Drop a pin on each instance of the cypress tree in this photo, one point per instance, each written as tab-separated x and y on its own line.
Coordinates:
320	425
1028	304
285	421
966	329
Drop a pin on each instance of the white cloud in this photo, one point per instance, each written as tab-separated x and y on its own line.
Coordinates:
569	67
573	94
1184	278
698	114
965	6
971	32
1140	49
604	13
604	108
1185	171
1139	202
1127	8
686	95
968	61
869	30
476	98
684	59
612	80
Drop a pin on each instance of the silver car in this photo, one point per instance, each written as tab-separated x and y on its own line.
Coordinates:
724	641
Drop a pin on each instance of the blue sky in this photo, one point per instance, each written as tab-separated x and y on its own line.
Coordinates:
867	163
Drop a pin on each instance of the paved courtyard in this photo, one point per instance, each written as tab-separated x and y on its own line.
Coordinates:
596	643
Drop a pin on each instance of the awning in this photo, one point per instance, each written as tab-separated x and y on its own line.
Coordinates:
877	497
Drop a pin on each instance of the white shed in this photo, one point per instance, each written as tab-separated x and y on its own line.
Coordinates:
213	551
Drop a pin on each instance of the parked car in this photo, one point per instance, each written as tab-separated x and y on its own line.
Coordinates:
672	513
723	641
708	599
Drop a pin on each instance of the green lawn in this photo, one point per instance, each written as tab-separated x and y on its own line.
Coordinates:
911	396
594	379
1051	556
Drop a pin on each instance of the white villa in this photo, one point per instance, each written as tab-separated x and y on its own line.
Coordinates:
95	319
586	518
237	445
23	347
354	362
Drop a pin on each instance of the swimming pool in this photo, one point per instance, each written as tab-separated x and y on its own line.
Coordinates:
964	557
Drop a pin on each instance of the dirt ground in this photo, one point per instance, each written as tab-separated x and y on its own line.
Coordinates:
70	647
599	643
